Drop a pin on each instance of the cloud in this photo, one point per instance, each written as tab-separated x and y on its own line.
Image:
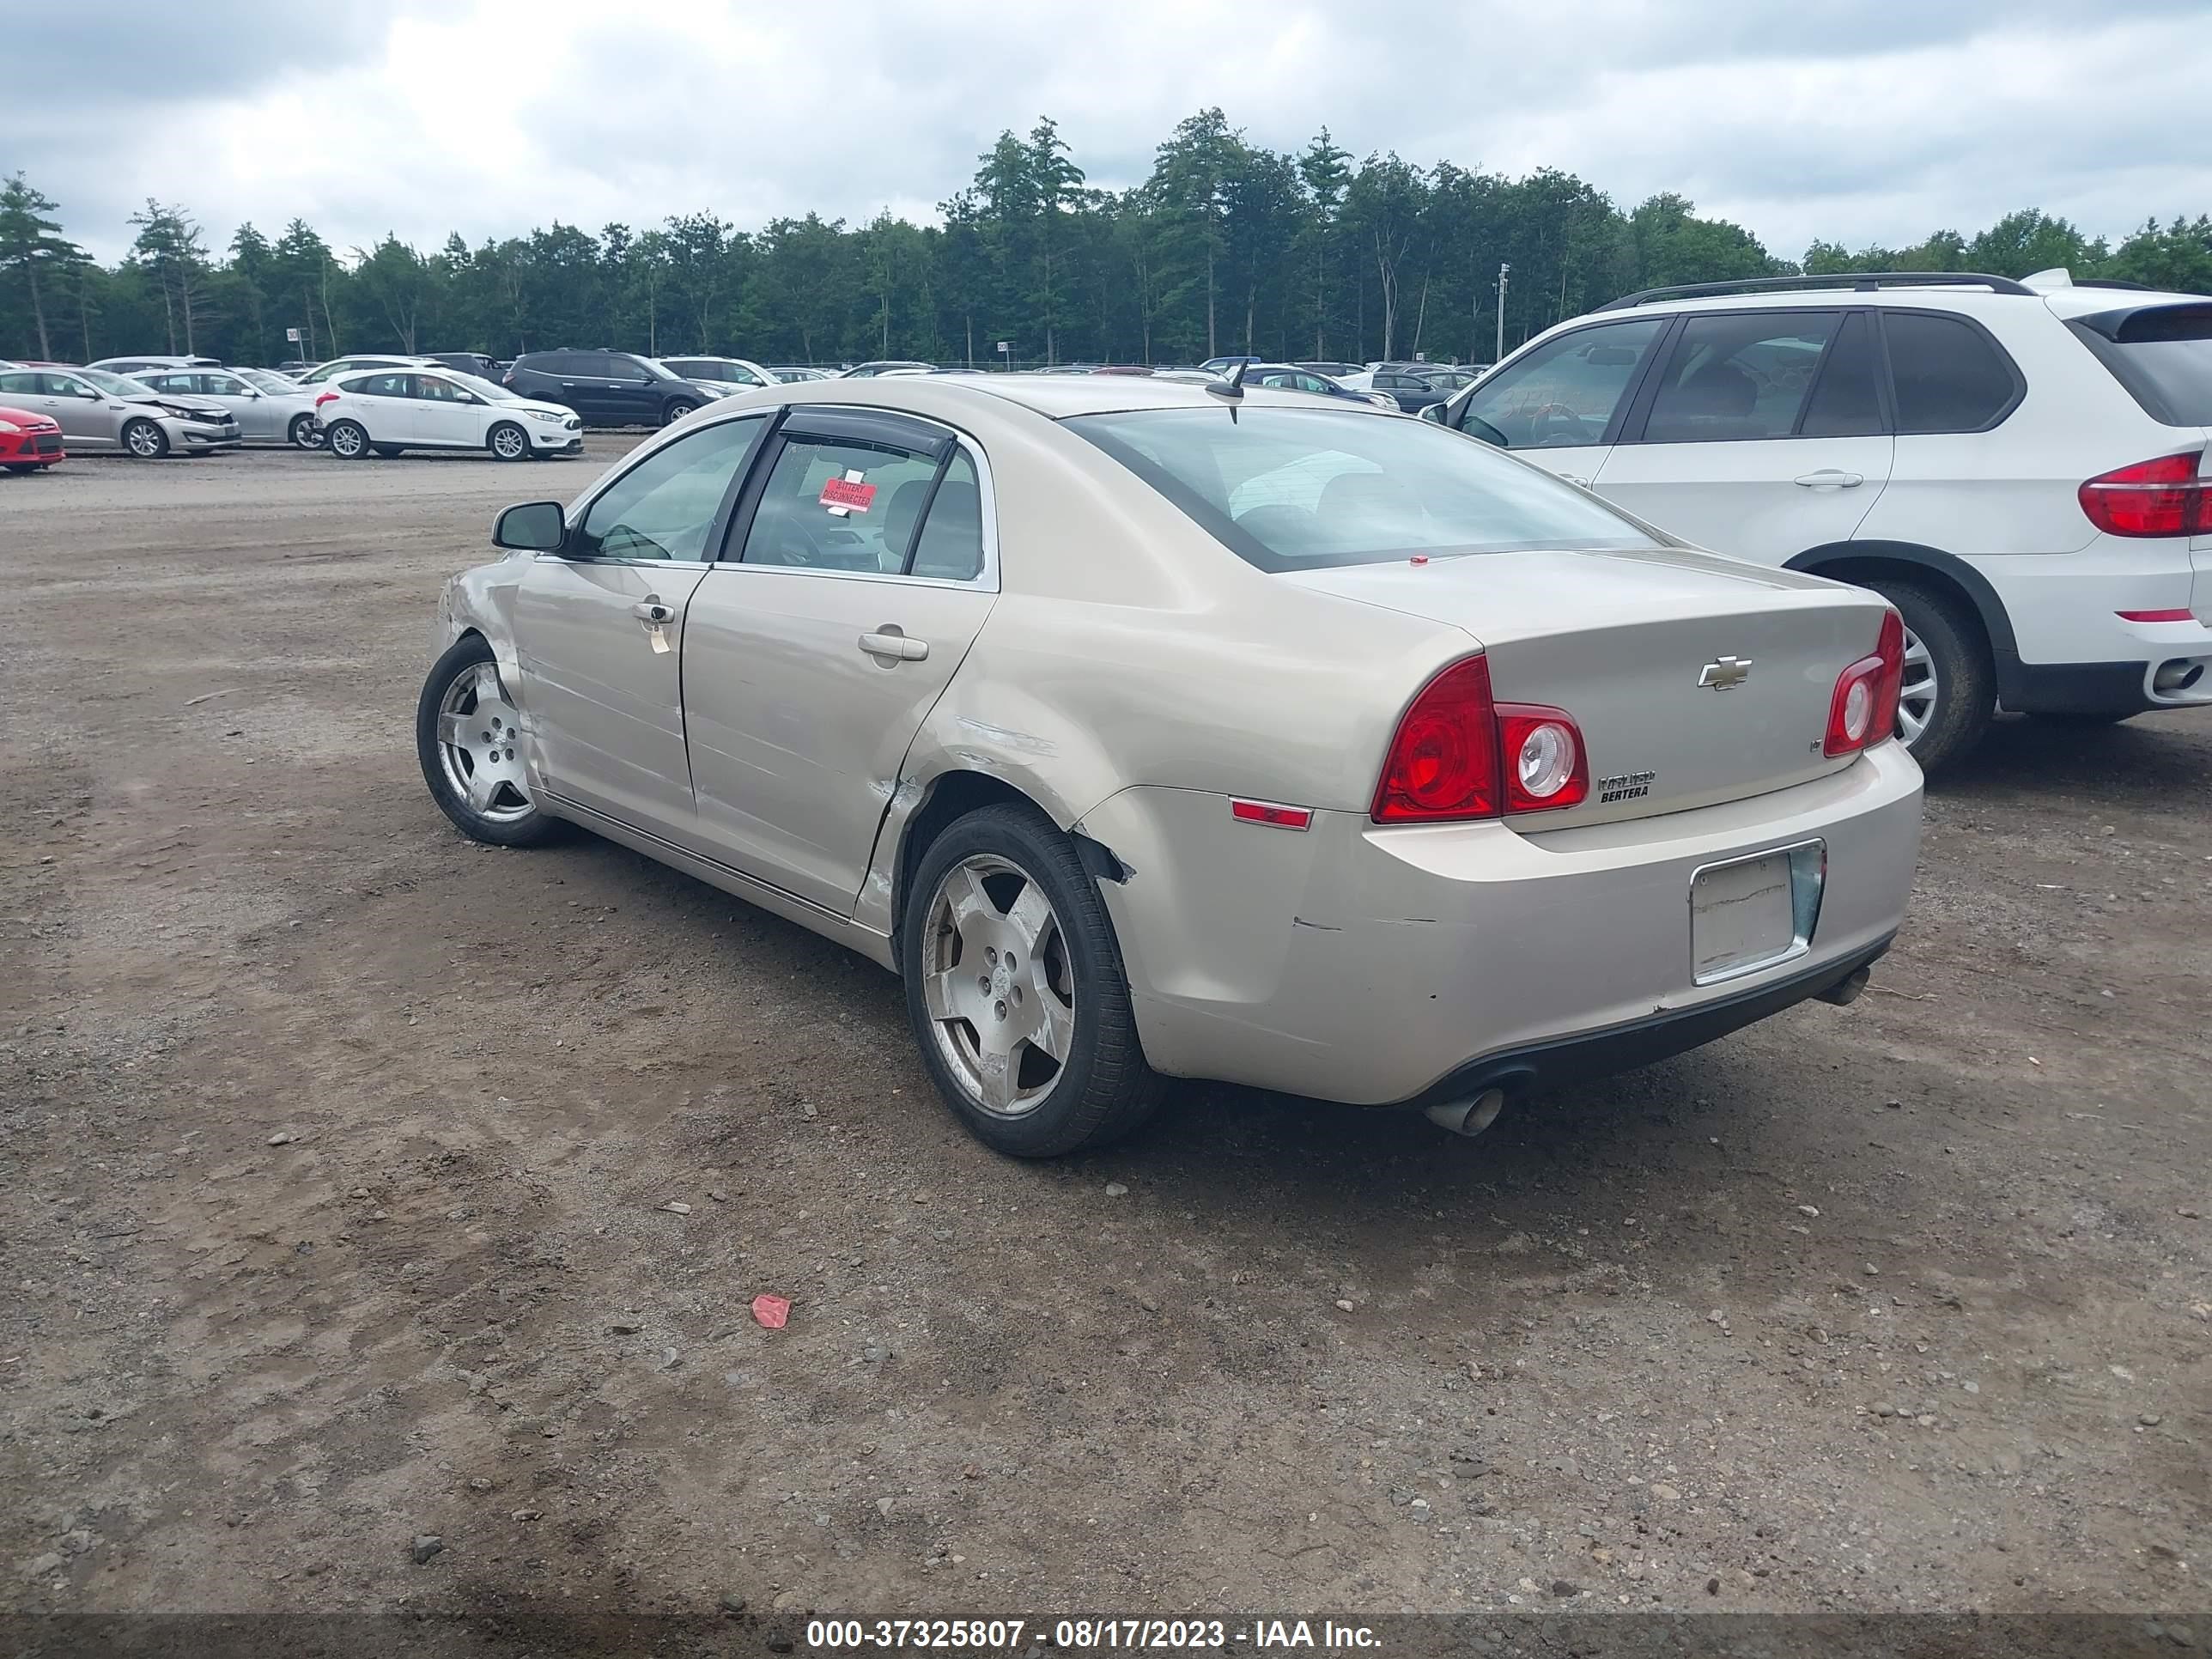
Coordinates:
1865	121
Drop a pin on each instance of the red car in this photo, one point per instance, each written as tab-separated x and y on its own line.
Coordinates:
28	441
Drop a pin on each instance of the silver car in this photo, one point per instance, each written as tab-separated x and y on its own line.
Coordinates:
1147	730
98	411
275	412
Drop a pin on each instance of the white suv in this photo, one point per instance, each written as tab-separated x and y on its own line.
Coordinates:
2019	467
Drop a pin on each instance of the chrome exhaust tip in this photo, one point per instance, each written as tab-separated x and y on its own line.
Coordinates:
1468	1117
2177	676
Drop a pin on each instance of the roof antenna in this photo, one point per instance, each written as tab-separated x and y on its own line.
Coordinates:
1234	385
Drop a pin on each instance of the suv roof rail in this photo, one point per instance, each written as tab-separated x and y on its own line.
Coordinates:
1858	280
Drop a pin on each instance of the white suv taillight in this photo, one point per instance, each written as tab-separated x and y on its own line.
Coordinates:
2169	496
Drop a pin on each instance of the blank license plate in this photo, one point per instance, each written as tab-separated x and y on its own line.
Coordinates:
1741	914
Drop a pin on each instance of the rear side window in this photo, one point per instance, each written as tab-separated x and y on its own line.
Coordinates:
383	385
1729	378
1846	401
1950	376
841	504
1296	490
2162	355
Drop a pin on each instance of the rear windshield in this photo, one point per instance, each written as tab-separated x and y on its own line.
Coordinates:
2162	355
1300	490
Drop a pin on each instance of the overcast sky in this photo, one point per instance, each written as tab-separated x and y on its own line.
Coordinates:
1858	120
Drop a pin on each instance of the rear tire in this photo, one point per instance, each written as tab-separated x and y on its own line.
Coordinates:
347	440
304	433
508	442
24	468
1952	719
145	440
970	912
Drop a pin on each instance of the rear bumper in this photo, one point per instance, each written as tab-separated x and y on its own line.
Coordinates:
2074	654
1639	1042
1373	965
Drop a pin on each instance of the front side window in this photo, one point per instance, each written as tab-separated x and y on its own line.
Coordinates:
436	389
665	506
841	504
1948	376
1562	395
1730	378
1294	489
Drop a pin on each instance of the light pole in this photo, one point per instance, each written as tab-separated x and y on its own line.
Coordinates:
1499	355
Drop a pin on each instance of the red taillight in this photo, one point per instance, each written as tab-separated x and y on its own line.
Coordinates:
1459	754
2164	497
2156	616
1863	709
322	397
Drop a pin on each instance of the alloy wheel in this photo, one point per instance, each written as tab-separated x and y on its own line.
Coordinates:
145	440
508	443
1916	699
998	985
479	741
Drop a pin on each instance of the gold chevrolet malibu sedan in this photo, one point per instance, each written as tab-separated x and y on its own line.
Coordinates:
1149	730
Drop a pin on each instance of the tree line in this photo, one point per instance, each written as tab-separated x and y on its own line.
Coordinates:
1227	247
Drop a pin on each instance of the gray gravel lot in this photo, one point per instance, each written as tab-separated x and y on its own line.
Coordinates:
340	1155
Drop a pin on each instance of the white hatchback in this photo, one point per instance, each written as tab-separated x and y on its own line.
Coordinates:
387	411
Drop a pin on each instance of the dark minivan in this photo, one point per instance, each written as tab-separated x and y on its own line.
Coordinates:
607	388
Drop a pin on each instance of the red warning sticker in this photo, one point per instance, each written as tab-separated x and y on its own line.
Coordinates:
848	493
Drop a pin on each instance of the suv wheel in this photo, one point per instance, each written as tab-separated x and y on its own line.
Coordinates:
1950	685
675	411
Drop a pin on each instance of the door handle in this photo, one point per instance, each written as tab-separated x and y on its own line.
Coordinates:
651	609
1829	477
892	642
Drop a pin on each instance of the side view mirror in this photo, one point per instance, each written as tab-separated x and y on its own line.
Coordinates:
1434	412
531	527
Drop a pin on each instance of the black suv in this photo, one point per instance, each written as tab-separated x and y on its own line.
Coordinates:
607	388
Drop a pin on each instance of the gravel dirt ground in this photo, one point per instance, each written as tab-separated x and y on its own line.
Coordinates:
348	1266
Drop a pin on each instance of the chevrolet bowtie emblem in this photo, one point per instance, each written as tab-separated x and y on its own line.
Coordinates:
1726	674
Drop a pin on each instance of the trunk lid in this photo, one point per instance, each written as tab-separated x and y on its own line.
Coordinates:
1621	641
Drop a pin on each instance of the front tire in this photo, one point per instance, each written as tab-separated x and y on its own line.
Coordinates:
1950	684
675	411
1016	989
508	442
470	743
145	440
347	440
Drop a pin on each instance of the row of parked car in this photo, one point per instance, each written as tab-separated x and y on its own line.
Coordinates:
152	407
